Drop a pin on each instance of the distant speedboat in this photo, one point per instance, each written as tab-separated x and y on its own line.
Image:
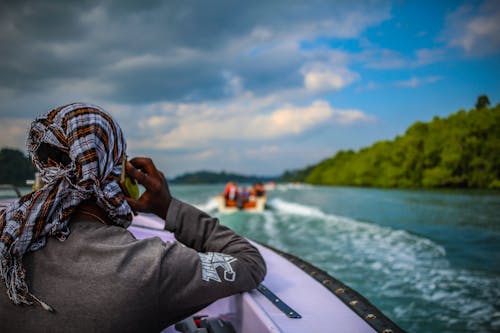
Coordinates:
254	204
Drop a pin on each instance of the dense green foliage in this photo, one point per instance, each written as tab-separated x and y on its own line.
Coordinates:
208	177
462	150
296	175
15	167
482	102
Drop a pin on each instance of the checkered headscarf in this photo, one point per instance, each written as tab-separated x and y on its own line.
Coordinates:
95	144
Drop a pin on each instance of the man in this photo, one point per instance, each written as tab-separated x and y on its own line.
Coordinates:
67	261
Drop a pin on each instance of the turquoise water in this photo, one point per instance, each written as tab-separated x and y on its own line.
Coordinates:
430	260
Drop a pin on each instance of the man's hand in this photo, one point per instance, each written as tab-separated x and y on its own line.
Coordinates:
156	199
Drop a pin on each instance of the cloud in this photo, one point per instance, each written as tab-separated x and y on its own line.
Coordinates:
200	130
262	151
416	82
13	132
428	56
324	78
351	117
203	155
189	79
166	51
370	86
384	59
380	58
476	30
155	122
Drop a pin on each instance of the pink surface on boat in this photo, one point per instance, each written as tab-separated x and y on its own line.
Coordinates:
321	310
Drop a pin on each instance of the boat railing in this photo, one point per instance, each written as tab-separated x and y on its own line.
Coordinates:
11	187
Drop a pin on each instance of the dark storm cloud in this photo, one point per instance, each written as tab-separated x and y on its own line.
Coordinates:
150	51
25	29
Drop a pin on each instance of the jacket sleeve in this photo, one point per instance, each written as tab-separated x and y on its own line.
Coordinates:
209	261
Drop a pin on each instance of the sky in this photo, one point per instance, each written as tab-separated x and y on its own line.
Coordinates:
253	87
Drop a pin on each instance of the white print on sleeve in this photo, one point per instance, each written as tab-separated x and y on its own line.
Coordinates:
211	261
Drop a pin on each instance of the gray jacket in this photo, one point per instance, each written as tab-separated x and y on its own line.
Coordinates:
101	279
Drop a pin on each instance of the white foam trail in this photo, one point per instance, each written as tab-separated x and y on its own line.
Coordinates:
361	234
210	205
295	208
269	225
401	264
292	186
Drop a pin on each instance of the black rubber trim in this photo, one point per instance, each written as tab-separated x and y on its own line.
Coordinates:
354	300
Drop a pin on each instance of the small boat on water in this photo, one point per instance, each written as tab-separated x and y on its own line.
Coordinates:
236	198
256	204
294	297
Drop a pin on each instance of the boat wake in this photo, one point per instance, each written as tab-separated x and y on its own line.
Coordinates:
293	186
209	206
397	263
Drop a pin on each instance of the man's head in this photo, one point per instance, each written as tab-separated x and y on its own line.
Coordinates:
78	150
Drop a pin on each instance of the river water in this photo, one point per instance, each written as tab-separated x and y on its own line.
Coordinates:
430	260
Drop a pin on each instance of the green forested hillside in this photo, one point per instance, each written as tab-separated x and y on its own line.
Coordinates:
462	150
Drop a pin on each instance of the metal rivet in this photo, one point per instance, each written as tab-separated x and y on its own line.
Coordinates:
387	331
302	266
353	303
276	300
326	281
340	291
371	316
313	273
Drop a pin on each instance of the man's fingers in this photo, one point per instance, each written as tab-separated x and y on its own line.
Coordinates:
144	164
140	176
157	197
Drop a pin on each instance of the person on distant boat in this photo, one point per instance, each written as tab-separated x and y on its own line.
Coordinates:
259	189
243	197
68	262
231	194
230	191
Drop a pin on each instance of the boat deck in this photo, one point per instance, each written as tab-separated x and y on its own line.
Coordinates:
321	311
324	304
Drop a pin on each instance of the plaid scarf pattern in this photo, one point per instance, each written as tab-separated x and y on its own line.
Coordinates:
95	144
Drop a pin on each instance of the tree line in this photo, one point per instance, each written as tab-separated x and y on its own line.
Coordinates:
461	150
15	167
210	177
